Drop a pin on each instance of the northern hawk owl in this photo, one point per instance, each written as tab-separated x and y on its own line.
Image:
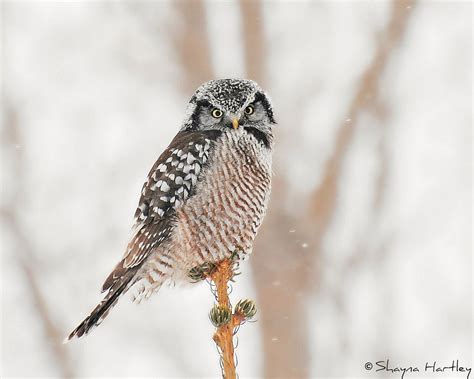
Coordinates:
204	198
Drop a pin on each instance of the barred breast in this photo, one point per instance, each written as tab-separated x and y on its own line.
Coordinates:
229	204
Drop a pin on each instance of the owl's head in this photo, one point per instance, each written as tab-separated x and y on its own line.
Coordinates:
229	104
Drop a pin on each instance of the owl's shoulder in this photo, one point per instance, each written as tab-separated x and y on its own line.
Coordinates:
172	178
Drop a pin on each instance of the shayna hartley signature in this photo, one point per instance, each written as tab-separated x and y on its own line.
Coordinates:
428	367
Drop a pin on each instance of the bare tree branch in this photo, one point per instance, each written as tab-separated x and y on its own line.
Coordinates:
24	252
365	99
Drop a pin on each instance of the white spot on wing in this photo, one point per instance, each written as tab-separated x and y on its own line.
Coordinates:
162	167
190	159
187	168
197	168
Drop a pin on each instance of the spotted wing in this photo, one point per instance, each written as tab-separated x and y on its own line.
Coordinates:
170	182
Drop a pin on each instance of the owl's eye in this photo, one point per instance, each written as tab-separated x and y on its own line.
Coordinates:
217	113
249	110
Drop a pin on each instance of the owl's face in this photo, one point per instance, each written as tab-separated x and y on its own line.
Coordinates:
230	104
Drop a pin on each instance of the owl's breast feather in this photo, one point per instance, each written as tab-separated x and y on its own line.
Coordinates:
231	197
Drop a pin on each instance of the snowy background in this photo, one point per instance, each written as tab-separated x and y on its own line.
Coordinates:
366	252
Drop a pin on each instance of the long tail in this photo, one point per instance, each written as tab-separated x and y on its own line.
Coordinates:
100	312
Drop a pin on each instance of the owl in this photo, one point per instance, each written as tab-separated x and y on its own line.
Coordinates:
205	197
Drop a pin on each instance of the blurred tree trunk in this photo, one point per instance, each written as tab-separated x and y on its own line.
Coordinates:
191	44
253	39
278	268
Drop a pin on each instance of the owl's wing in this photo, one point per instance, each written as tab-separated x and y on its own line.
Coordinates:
170	182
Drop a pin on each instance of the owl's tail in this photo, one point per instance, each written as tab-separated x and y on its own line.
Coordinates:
100	312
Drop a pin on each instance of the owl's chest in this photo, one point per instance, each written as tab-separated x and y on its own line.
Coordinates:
240	169
230	199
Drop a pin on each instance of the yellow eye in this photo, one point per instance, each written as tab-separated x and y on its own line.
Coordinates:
249	110
217	113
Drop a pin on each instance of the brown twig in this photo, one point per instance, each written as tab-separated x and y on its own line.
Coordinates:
223	337
222	317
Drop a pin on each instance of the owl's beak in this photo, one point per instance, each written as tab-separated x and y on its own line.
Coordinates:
235	123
